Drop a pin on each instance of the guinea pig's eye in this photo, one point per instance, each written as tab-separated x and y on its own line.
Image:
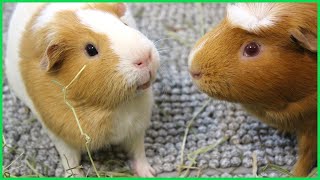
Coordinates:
91	50
251	49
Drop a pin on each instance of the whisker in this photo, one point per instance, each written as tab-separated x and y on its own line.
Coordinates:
165	50
162	40
160	49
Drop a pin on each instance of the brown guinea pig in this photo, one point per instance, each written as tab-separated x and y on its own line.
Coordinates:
112	96
264	56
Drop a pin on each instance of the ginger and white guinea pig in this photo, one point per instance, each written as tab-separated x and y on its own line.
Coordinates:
112	96
264	56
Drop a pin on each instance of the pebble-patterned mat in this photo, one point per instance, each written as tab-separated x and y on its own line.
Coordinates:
174	28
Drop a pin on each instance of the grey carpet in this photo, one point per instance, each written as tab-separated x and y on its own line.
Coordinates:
174	28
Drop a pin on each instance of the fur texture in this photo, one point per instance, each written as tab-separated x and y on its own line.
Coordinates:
279	85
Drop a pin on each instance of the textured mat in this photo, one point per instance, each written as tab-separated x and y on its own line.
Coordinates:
174	28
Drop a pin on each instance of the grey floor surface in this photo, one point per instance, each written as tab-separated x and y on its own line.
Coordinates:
174	28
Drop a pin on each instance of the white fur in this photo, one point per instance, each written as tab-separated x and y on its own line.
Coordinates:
128	43
130	122
140	162
194	51
70	157
132	118
19	19
50	10
251	17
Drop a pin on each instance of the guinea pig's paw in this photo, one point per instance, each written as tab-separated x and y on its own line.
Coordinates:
74	173
143	169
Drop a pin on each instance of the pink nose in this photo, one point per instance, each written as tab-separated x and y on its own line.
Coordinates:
143	61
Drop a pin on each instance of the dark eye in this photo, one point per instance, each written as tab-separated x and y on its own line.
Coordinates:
251	49
91	50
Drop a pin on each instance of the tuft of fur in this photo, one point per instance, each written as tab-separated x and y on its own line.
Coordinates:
280	84
259	17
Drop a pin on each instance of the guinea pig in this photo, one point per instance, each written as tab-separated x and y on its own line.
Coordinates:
112	96
264	56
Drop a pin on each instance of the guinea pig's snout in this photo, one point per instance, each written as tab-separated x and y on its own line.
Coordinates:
195	74
143	61
145	67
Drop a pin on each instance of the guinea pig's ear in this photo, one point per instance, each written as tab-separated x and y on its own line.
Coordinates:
51	57
121	9
305	38
123	12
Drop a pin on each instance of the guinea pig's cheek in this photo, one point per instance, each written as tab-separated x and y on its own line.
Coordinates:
154	66
155	59
153	75
202	87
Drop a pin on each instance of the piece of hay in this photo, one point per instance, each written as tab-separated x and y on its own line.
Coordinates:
13	161
186	134
254	164
71	168
193	156
313	172
115	174
86	137
277	168
33	169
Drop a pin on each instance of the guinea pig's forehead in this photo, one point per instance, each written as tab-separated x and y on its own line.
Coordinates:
99	21
49	12
253	17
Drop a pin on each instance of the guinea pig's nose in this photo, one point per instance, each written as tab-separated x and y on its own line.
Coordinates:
143	61
196	74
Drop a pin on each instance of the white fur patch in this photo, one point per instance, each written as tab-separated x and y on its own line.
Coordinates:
252	16
128	43
132	118
195	51
20	18
50	10
197	48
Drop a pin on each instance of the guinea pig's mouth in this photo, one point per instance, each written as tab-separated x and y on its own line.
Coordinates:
146	84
